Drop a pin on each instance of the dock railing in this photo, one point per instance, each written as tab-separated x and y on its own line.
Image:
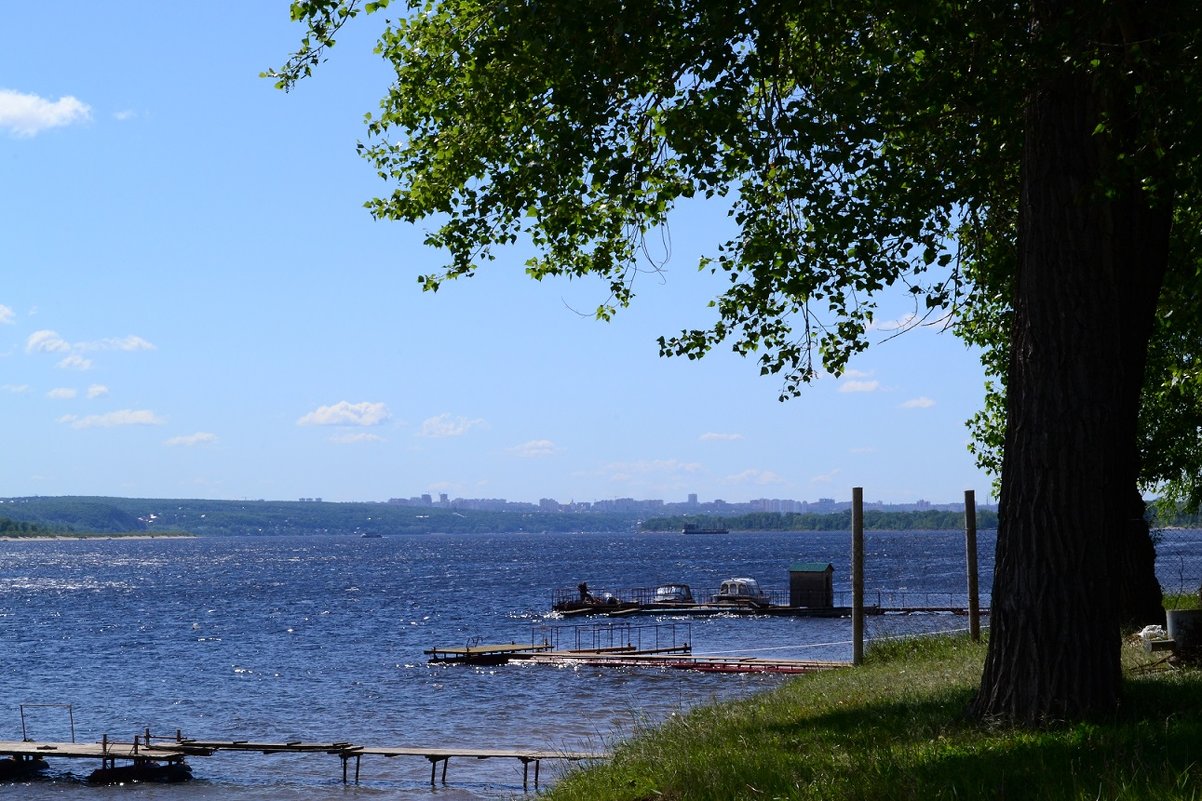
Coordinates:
645	638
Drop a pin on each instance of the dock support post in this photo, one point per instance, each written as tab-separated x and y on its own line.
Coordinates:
970	548
536	764
434	767
857	575
358	759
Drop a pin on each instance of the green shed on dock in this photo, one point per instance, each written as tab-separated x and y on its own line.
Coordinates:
811	584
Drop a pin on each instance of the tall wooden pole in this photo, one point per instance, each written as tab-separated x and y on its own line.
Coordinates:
857	575
970	548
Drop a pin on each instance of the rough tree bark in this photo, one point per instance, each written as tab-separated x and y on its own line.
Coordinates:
1090	271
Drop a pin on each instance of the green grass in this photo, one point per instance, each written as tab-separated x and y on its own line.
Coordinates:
895	729
1182	600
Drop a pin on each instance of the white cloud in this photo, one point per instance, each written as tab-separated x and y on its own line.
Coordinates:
123	417
753	476
75	362
652	467
62	393
46	341
355	437
16	389
26	115
827	477
903	323
444	425
918	403
860	386
97	391
345	413
124	115
6	315
713	436
535	449
191	440
127	343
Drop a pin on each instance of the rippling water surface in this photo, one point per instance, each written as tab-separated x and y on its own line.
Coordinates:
321	639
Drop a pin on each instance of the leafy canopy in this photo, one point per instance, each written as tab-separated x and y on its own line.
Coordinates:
858	146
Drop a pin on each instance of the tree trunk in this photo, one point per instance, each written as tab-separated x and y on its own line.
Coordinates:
1141	600
1089	275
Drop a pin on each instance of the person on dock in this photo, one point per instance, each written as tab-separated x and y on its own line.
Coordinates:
585	596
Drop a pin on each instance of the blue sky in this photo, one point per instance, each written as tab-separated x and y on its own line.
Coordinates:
195	304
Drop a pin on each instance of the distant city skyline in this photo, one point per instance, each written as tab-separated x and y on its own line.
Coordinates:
691	503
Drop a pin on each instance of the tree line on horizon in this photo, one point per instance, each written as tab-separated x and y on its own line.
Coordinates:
80	514
874	520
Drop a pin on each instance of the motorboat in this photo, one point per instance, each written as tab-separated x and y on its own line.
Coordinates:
741	592
673	595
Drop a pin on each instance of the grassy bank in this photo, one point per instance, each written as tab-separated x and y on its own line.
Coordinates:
894	729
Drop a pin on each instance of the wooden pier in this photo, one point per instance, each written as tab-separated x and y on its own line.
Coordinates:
478	654
146	751
659	645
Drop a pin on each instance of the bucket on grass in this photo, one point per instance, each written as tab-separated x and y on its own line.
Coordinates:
1185	627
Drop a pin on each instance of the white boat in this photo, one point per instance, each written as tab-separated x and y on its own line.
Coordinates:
673	595
741	592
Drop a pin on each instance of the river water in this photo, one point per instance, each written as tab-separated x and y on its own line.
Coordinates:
322	638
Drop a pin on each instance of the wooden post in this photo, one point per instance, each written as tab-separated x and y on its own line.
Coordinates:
970	548
857	575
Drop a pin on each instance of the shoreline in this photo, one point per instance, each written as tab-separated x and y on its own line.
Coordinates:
61	537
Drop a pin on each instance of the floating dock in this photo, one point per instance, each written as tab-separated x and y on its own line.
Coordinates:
483	654
657	645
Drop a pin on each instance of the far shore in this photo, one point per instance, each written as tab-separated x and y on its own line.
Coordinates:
95	536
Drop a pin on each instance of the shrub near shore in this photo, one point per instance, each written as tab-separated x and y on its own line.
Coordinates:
895	729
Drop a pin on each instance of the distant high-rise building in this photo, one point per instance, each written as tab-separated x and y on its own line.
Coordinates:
692	499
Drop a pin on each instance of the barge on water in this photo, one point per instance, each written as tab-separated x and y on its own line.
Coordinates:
694	528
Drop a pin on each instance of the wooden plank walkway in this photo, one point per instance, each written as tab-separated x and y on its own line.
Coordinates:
483	654
347	751
175	749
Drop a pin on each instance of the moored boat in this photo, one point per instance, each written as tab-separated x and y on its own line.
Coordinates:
741	592
587	602
672	596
